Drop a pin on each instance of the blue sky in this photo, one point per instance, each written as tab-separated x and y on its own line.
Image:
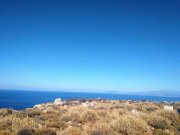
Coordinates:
90	45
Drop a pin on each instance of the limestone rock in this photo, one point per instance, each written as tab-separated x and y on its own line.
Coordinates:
58	101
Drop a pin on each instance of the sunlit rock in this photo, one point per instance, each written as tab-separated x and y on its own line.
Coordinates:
58	101
169	108
38	106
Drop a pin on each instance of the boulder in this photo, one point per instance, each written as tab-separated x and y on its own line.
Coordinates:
84	104
169	108
37	106
88	104
91	105
134	111
58	101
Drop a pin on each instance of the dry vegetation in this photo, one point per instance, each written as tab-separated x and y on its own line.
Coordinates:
103	118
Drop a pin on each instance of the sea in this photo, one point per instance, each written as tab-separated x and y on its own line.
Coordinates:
21	99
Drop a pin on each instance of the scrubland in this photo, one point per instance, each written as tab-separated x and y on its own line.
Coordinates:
103	117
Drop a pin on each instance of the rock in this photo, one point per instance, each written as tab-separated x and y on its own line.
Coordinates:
37	106
92	105
58	101
88	104
84	104
169	108
134	111
48	104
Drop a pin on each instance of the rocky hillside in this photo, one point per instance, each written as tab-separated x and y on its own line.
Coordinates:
93	117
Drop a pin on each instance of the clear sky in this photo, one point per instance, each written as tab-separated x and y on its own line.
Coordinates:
90	45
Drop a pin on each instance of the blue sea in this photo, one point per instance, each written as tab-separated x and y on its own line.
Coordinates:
18	99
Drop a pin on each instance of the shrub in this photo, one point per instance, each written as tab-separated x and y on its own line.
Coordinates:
172	116
130	125
158	122
75	131
58	124
33	113
25	132
5	124
161	132
74	116
18	124
152	108
44	132
65	118
21	114
4	112
102	127
178	110
97	132
176	125
102	113
89	116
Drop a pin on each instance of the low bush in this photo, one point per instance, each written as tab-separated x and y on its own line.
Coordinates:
161	132
44	132
5	112
89	116
97	132
172	116
102	127
75	131
25	132
57	124
176	125
130	125
151	108
158	122
21	114
33	113
5	124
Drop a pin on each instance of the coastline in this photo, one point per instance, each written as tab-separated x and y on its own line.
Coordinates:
26	99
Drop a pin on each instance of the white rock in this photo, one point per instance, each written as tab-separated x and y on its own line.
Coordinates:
134	111
48	104
169	108
70	122
37	106
91	104
76	102
58	101
84	104
44	111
